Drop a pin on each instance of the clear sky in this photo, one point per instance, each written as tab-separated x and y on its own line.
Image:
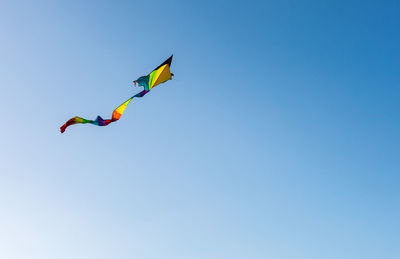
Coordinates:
278	137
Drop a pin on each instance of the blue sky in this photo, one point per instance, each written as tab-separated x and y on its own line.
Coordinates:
277	138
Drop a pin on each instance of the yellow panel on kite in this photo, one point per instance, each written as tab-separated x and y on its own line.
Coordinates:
154	75
159	76
164	75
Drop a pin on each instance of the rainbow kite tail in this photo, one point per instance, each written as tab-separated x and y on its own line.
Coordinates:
99	121
73	121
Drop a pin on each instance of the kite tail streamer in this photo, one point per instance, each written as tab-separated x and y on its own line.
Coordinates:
99	121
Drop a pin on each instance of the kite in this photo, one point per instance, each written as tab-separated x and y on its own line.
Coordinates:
158	76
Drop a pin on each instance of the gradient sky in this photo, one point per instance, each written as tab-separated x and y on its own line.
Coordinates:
278	137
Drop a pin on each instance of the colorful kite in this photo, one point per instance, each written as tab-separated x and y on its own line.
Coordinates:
158	76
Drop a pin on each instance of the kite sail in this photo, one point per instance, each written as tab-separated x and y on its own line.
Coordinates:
158	76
